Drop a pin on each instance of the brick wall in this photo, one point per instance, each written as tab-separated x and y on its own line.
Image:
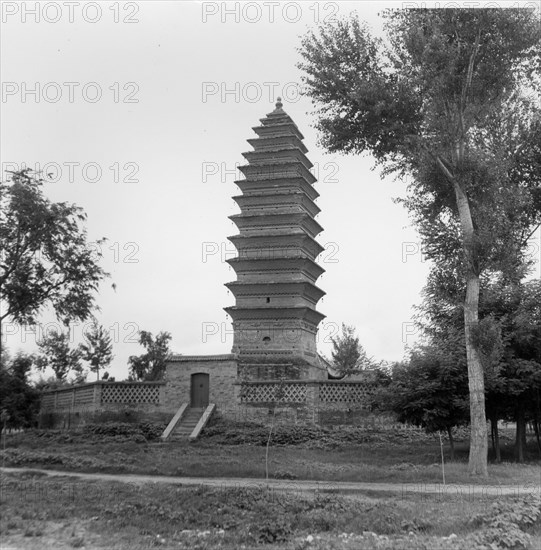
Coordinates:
103	401
291	402
237	396
69	419
222	371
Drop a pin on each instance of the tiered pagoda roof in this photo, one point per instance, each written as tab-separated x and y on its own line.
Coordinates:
277	248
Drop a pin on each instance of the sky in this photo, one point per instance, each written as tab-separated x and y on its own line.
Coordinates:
141	112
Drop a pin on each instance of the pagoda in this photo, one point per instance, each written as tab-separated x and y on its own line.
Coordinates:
275	320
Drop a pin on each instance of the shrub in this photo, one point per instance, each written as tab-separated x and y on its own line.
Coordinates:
145	430
271	531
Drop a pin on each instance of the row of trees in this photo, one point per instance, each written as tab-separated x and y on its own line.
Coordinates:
57	353
430	388
19	394
509	339
448	101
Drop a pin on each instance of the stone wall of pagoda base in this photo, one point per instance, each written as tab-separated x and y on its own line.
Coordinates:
297	400
297	415
302	402
255	392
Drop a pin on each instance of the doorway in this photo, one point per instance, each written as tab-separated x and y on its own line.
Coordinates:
199	390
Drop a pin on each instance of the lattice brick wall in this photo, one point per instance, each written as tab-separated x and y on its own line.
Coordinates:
345	393
47	401
130	393
84	396
64	399
272	392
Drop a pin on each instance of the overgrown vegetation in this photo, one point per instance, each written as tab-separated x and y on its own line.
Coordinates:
18	398
321	437
363	453
126	515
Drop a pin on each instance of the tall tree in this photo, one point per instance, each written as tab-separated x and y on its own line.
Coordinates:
98	349
19	400
57	353
45	258
348	356
150	365
440	102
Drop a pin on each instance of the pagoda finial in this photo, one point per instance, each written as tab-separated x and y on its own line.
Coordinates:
279	103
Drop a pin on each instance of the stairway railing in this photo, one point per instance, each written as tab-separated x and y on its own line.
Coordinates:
205	417
174	421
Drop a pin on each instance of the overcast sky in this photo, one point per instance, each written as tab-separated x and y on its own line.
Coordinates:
141	111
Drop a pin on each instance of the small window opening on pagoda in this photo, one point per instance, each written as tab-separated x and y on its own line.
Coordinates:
268	300
266	340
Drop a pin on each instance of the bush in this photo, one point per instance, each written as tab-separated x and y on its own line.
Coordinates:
271	531
146	430
506	523
322	437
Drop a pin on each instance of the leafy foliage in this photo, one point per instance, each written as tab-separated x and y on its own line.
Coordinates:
348	356
46	258
506	523
148	430
320	437
19	400
431	389
98	349
57	354
150	365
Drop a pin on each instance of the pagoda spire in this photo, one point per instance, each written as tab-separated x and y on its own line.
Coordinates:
275	318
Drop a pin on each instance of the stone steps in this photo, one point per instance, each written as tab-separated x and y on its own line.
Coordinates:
187	423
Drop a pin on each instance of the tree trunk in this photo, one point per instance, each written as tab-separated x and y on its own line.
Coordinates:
476	382
495	438
520	432
536	420
536	430
451	441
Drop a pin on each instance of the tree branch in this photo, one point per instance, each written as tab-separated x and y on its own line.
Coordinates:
525	241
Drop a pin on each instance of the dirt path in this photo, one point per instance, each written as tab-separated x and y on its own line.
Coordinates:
449	490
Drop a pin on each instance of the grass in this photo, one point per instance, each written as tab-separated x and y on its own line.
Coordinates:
42	512
237	451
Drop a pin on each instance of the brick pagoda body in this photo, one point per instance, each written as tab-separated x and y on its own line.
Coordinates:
275	320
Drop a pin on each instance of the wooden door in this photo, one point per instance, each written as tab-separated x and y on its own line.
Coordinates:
200	390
